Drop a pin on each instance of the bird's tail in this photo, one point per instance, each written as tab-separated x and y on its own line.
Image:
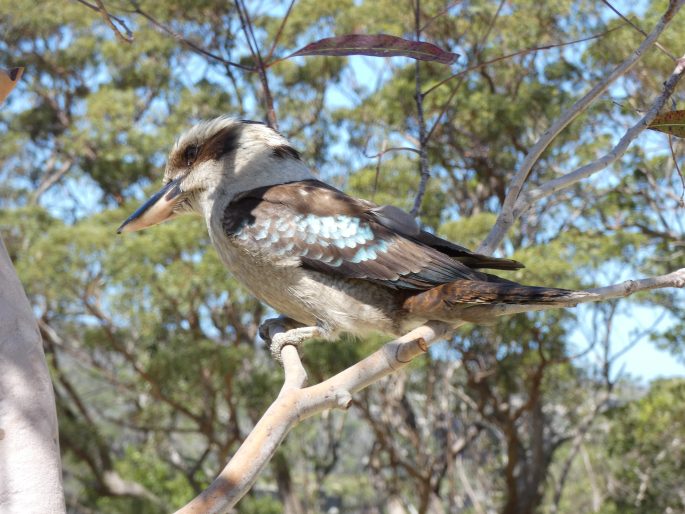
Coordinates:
446	301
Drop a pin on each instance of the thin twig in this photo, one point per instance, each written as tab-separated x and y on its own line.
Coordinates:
424	172
278	33
461	75
491	25
246	24
128	38
392	149
442	11
378	169
517	53
677	167
629	22
506	218
100	8
50	180
194	47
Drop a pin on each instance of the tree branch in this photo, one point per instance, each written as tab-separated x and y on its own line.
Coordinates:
128	38
657	44
507	216
565	181
295	403
676	279
248	29
110	19
424	172
178	37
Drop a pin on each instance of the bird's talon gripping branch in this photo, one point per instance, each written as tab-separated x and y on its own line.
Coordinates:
269	327
295	337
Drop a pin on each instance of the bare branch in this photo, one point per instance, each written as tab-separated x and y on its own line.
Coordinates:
525	51
247	26
295	404
128	38
565	181
507	216
378	169
178	37
110	19
51	179
423	136
674	279
678	170
629	22
392	149
279	32
441	12
424	172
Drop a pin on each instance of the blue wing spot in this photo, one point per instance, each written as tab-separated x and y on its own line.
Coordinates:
261	234
370	252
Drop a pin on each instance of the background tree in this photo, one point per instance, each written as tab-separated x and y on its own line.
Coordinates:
158	371
28	422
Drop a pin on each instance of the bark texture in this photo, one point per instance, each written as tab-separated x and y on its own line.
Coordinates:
30	471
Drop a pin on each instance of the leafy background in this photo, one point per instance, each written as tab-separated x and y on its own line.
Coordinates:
158	371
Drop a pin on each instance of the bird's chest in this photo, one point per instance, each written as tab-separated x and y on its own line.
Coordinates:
310	297
270	278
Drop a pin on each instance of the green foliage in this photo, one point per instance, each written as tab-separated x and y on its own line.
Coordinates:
159	373
647	445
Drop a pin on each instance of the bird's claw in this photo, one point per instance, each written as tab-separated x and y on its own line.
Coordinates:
295	337
268	326
295	334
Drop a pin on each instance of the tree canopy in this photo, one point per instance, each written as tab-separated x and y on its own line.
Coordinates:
158	370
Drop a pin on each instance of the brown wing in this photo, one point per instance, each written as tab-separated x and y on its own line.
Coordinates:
333	233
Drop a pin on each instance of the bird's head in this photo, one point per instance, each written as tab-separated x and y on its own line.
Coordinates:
218	159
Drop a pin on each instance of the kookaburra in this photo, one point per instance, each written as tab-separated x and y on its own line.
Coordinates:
327	261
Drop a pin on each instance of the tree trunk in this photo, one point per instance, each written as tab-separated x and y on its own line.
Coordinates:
30	478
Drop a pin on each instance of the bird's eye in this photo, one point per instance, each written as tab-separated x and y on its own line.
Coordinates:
190	154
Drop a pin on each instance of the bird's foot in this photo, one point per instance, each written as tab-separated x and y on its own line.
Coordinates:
271	325
295	334
295	337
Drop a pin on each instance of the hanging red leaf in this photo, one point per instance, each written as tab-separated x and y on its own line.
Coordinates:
381	45
671	123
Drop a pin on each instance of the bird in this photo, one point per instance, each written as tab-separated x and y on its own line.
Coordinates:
327	262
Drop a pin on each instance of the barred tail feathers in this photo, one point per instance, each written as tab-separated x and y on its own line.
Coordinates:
445	301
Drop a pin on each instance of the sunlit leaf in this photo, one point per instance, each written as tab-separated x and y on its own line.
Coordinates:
671	123
8	79
381	45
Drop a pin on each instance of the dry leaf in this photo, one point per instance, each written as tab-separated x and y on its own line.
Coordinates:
671	123
381	45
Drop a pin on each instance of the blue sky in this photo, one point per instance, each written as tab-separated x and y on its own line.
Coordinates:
643	361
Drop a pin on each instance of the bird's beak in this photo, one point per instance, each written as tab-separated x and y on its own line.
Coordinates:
159	208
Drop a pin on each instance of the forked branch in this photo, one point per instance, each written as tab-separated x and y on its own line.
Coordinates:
511	208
